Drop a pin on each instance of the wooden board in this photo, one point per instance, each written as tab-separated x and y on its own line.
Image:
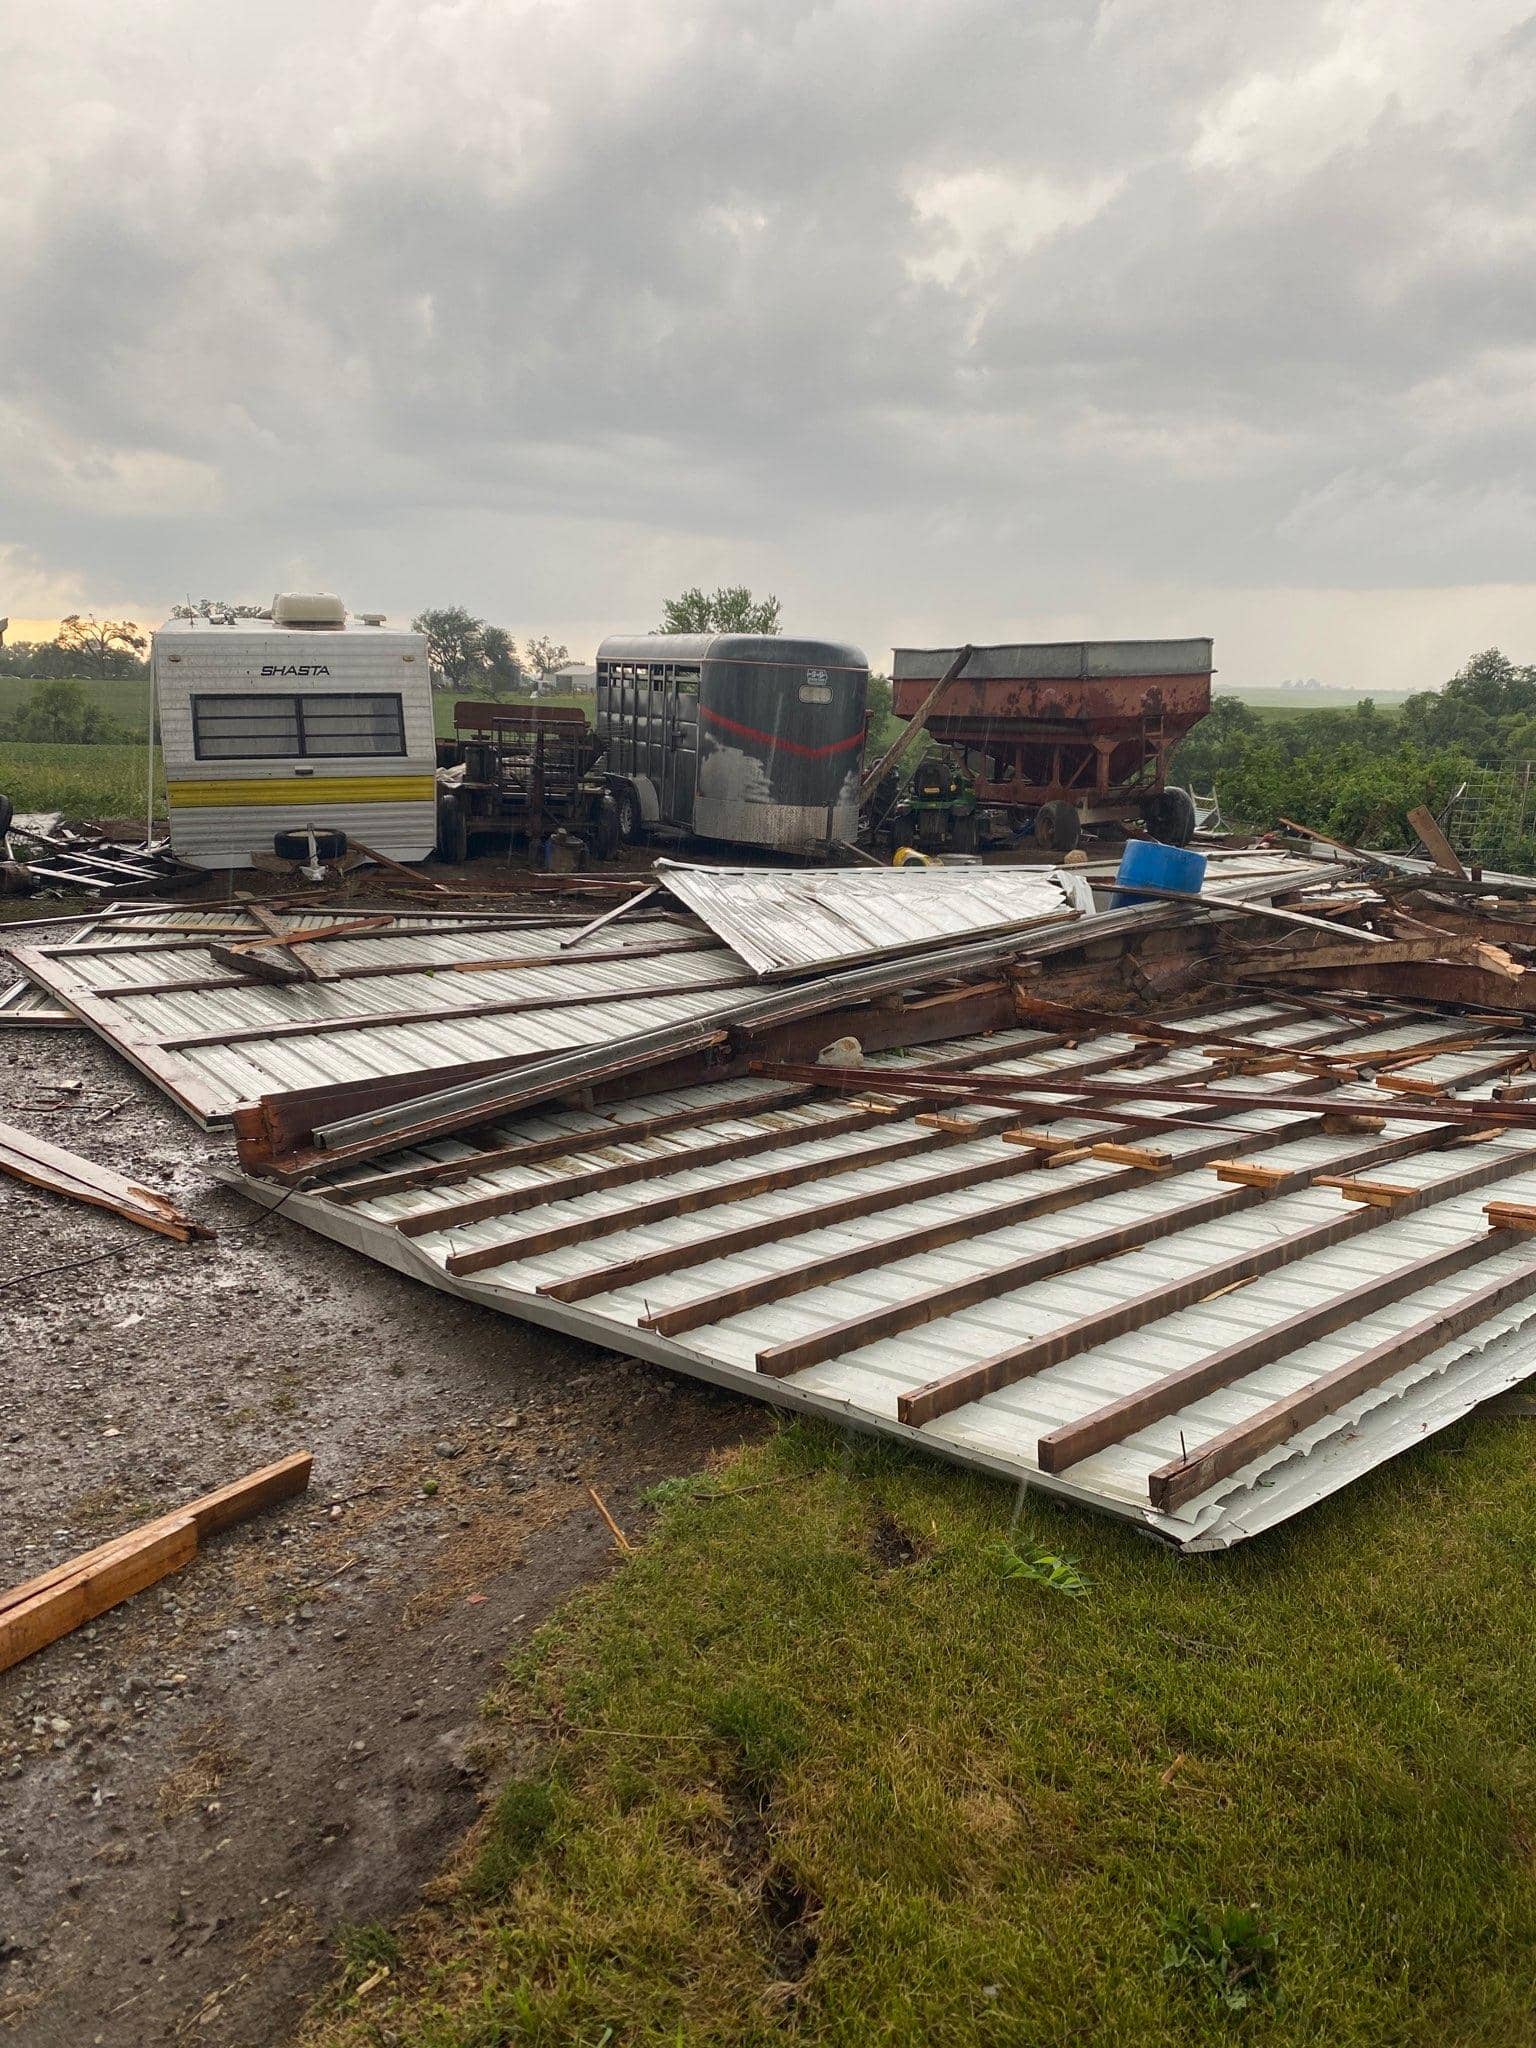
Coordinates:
33	1160
209	1514
1439	848
29	1625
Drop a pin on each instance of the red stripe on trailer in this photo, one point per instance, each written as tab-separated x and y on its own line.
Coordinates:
768	739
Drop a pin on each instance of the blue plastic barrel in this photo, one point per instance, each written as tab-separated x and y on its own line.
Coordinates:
1148	864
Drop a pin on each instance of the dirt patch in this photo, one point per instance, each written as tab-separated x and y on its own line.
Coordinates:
201	1788
890	1546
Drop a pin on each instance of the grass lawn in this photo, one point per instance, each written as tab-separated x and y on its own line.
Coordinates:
82	782
822	1764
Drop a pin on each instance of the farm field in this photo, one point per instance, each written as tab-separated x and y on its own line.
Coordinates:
82	782
124	700
1279	704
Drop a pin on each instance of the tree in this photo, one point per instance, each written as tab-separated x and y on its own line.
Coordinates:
102	647
544	657
732	609
59	712
455	644
498	652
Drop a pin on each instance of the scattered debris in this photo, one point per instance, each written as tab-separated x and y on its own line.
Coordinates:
33	1159
83	857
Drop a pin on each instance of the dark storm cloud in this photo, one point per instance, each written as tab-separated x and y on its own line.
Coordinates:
561	303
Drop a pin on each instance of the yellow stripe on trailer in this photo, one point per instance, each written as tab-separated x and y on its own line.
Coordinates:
306	789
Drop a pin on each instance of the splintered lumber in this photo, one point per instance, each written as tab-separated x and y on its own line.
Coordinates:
40	1610
1439	848
42	1165
1381	1194
284	955
1518	1216
1250	1174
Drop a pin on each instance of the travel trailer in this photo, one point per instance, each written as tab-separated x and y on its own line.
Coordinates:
298	721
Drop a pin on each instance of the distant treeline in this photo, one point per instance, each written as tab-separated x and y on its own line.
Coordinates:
84	646
1354	773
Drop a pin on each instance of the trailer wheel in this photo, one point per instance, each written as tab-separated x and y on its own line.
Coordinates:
1169	815
606	832
1057	827
452	832
631	819
329	844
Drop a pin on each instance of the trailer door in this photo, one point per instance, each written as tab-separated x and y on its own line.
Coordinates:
682	745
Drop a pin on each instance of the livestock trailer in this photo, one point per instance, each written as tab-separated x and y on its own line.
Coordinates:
743	737
1055	736
299	719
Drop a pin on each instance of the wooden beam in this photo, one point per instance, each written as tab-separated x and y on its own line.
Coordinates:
29	1625
813	1273
26	1158
42	1609
664	1207
1440	849
607	917
659	1166
937	1087
1176	1391
1022	1361
209	1514
194	984
570	1144
1182	1479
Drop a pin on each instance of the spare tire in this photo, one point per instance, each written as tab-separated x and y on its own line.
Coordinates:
1169	815
329	844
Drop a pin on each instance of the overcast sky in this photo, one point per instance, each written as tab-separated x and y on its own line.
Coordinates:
943	319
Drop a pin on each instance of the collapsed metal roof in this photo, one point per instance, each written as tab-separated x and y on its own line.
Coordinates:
792	921
1205	1336
429	992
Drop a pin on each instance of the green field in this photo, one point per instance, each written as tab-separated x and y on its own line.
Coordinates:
82	782
1277	704
125	702
857	1749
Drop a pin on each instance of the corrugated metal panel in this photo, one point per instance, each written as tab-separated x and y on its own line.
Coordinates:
25	1003
712	1230
1251	878
790	921
663	978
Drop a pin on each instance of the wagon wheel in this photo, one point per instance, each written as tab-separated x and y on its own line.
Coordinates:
1169	815
1057	827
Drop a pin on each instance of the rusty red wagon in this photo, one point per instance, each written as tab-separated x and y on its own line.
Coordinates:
1058	735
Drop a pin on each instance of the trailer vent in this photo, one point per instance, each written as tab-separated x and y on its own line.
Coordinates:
315	608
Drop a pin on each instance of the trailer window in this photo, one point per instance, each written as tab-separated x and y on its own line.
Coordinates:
261	728
245	728
371	724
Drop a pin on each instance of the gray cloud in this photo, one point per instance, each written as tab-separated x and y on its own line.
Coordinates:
956	318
